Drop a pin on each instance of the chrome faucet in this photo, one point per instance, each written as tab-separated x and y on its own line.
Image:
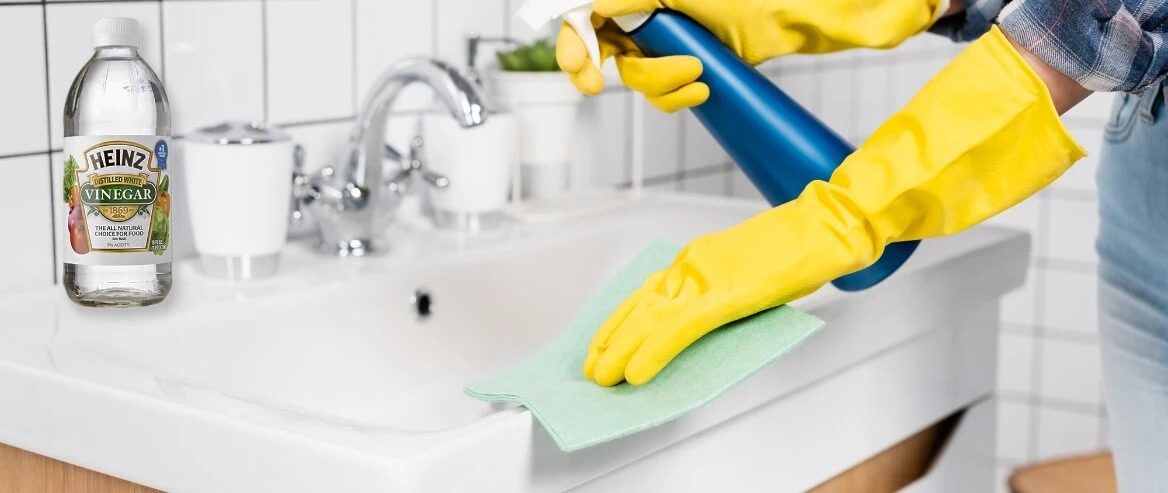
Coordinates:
354	201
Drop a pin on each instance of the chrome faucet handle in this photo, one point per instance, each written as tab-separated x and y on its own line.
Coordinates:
418	165
391	153
435	180
300	223
413	166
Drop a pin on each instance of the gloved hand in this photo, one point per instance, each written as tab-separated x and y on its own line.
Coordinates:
757	30
981	136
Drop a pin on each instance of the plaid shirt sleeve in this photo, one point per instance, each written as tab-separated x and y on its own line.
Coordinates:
1105	45
975	21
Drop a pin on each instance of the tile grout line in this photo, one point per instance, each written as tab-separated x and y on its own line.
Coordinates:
1036	350
324	121
507	18
92	2
1066	265
353	53
1050	333
162	48
682	126
627	164
853	102
701	172
434	28
26	154
265	48
1104	426
49	131
728	179
66	2
1066	405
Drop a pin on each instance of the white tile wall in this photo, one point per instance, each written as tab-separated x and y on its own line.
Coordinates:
1015	352
1071	230
837	91
23	121
70	44
1063	432
706	182
802	84
602	155
741	187
1018	307
377	46
255	59
701	150
323	142
1070	372
320	64
458	19
663	152
26	247
872	103
1013	432
214	74
1070	302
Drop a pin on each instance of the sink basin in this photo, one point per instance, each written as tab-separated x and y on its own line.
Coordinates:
355	351
330	369
359	353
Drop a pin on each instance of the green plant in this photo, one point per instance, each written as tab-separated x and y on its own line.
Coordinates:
539	56
70	180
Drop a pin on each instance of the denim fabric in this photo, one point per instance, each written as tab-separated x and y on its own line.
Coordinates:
1133	288
1105	45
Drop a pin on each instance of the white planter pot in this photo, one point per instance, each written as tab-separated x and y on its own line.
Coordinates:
545	106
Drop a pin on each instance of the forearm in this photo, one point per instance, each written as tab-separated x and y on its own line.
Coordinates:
955	7
1064	91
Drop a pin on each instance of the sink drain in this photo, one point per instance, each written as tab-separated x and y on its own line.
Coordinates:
422	302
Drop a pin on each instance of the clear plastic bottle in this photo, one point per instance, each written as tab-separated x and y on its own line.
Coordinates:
116	184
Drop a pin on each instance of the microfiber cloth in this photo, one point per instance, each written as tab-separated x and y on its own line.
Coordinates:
578	413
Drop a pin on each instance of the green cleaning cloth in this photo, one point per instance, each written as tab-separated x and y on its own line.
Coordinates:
579	413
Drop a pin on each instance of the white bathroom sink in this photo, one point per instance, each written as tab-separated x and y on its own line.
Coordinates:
356	351
329	370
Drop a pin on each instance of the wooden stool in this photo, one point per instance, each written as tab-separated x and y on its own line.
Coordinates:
1087	474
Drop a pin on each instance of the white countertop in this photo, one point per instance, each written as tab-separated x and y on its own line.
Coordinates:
322	379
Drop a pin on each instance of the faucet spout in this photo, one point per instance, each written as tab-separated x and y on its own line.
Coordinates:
461	97
354	227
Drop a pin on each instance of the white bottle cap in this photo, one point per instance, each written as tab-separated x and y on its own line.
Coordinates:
630	22
115	31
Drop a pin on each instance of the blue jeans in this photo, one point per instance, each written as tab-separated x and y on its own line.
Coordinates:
1133	288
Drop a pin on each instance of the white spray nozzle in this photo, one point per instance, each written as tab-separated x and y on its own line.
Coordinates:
581	20
577	13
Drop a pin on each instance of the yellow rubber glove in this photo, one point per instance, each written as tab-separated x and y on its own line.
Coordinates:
980	137
757	30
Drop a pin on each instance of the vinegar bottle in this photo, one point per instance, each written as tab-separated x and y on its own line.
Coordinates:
116	184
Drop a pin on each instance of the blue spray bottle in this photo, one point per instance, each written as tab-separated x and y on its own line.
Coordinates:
778	144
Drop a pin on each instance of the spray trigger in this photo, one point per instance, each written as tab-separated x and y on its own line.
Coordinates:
577	13
581	20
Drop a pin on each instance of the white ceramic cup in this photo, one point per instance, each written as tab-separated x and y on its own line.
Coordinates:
545	105
478	162
239	183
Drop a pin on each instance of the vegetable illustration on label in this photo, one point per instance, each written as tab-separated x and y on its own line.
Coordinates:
78	239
